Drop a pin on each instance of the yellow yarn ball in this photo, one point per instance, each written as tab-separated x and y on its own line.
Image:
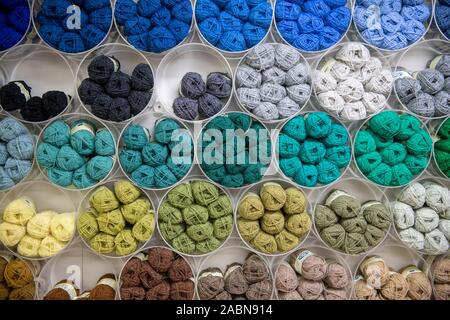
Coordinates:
103	200
50	246
19	211
272	222
134	211
272	196
111	222
295	201
248	228
102	243
87	225
126	192
251	207
125	243
286	241
29	246
298	224
265	242
39	226
11	234
62	226
143	229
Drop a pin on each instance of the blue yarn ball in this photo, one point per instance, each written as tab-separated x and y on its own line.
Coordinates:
290	166
101	18
82	139
161	39
443	16
179	166
147	8
42	19
164	178
19	18
308	23
308	42
46	155
81	180
71	43
155	154
135	137
252	34
327	172
362	16
335	3
55	8
3	20
339	18
3	154
164	130
92	36
179	29
124	10
8	38
17	169
374	36
130	160
57	133
388	6
288	30
99	167
317	7
161	18
306	175
92	5
205	9
233	41
211	29
183	12
328	37
392	22
11	4
104	142
137	25
295	128
11	128
394	41
261	15
413	30
170	3
318	125
238	8
229	22
285	10
68	159
139	41
60	177
21	147
420	12
250	3
368	3
5	180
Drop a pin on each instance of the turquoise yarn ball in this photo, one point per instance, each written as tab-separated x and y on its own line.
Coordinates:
416	164
381	174
295	128
364	143
381	142
216	174
318	124
340	156
179	166
393	154
155	154
221	123
287	147
311	151
408	126
60	177
144	176
81	180
5	181
46	155
400	175
68	159
135	137
21	147
11	128
369	161
105	144
130	160
386	124
253	173
3	154
290	166
306	175
164	178
182	143
241	121
17	169
164	130
327	172
338	136
420	143
233	180
233	168
57	133
99	167
82	139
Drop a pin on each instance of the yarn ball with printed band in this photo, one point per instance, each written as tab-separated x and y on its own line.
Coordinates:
440	151
392	149
75	153
313	149
154	26
15	20
195	217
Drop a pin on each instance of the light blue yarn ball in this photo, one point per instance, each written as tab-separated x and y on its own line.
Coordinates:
135	137
81	179
17	169
144	176
68	159
104	142
57	133
155	154
21	147
11	128
60	177
5	180
3	154
99	167
46	155
130	160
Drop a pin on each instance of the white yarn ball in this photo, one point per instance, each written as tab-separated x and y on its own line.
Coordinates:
403	214
381	82
324	82
351	90
353	111
435	242
331	101
354	54
340	71
445	214
426	220
412	238
444	227
413	195
371	68
373	102
437	197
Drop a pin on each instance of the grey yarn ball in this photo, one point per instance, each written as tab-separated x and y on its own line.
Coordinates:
407	89
413	195
442	103
249	97
447	84
192	85
299	93
431	81
209	105
412	238
274	75
266	111
426	220
299	74
248	77
422	105
261	57
185	108
219	84
287	107
443	65
286	57
273	93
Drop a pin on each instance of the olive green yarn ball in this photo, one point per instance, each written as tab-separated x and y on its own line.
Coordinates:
103	200
376	214
181	196
272	222
355	243
204	192
195	214
133	212
208	245
248	229
272	196
374	235
143	229
220	207
286	241
223	227
184	243
295	201
251	207
169	214
126	192
265	242
334	236
324	217
124	243
354	225
200	232
298	224
343	204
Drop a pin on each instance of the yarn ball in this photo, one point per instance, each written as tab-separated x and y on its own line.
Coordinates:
15	20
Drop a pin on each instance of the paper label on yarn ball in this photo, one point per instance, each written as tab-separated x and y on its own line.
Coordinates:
212	274
28	202
368	204
231	269
108	282
82	126
300	259
23	90
116	63
141	256
435	61
405	272
334	195
68	288
328	65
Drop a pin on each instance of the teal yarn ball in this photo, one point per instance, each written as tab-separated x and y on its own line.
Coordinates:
364	143
233	180
105	144
99	167
179	166
420	143
17	169
82	139
241	121
164	178
318	124
57	133
386	124
311	152
182	142
327	172
306	175
287	147
164	130
221	123
340	156
234	168
81	180
338	136
130	160
144	176
400	175
155	154
135	137
60	177
46	155
295	128
416	164
253	173
381	174
11	128
381	142
216	174
368	161
393	154
21	147
5	180
290	166
408	126
68	159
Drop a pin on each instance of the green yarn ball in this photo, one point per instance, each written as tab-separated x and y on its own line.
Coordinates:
444	130
381	142
400	175
419	143
368	162
381	174
393	154
416	164
184	243
364	143
386	124
408	126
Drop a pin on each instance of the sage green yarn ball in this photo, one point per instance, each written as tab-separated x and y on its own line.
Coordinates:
376	214
184	243
200	232
195	214
208	245
343	204
355	243
223	227
220	207
181	196
374	235
169	214
324	217
204	192
334	236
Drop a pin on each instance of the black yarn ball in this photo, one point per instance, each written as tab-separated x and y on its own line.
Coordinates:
89	90
33	110
120	110
138	100
142	78
192	85
118	85
219	85
54	102
185	108
102	106
209	105
102	67
12	97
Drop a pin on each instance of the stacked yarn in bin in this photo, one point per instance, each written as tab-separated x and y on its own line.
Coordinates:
112	94
14	22
118	220
441	274
313	149
441	148
309	276
392	149
16	152
273	82
16	279
422	217
159	159
352	84
442	14
74	26
196	217
154	25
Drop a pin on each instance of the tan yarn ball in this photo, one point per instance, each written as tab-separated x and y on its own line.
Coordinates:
418	282
251	207
442	291
298	224
396	287
441	270
295	201
363	291
272	196
375	270
272	222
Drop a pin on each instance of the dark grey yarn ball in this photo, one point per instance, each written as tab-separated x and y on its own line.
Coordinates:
138	100
119	85
422	105
442	103
120	110
102	106
185	108
192	85
142	77
219	84
102	67
407	89
209	105
431	81
89	90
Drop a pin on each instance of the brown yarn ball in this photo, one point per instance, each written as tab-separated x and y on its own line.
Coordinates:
293	295
235	281
285	278
375	271
418	282
25	293
130	273
4	291
105	288
132	293
183	290
442	291
149	277
395	288
17	274
160	259
3	263
260	290
308	289
363	291
84	296
159	292
335	294
254	269
441	270
180	270
337	277
223	296
59	293
210	283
